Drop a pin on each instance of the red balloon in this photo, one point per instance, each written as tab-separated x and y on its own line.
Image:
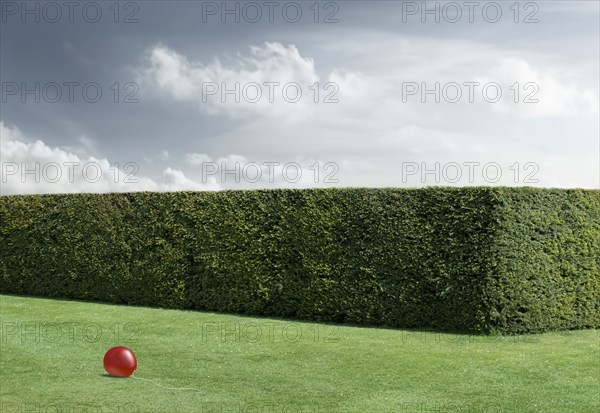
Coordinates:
120	362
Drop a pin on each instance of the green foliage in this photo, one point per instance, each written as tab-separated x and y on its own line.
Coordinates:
479	259
547	274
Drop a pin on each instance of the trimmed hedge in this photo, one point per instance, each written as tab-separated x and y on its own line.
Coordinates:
478	259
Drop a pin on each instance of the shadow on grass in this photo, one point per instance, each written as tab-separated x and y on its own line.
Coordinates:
407	329
261	316
113	377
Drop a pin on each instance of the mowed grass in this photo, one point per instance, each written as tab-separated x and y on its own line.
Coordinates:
52	350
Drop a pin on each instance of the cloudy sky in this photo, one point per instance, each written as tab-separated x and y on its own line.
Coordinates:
179	95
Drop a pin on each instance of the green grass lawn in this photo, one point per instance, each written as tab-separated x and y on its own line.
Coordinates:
52	350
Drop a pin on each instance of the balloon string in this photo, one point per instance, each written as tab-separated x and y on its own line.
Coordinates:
165	387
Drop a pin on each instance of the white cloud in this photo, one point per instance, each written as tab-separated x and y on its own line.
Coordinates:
539	93
352	85
85	145
196	159
88	144
265	83
371	131
175	180
237	171
34	167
